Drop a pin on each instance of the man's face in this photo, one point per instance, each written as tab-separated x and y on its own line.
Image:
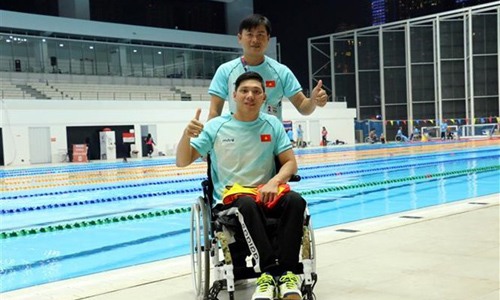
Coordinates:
254	41
249	97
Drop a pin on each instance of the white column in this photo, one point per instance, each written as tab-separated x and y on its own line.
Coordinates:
76	9
382	76
409	86
236	10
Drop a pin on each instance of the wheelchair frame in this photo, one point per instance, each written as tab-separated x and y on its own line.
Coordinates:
208	238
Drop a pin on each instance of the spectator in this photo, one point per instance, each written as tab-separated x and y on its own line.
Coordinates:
300	136
324	134
400	134
150	145
444	129
373	136
415	134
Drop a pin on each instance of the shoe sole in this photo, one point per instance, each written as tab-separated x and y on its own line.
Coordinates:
292	297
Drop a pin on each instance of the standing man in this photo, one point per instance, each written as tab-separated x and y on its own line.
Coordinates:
444	128
254	35
300	136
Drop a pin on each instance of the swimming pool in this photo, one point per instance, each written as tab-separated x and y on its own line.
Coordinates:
69	221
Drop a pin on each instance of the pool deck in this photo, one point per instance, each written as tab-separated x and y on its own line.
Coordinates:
449	251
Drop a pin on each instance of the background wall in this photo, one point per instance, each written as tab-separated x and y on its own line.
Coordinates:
169	119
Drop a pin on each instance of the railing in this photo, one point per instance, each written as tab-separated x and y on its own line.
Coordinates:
479	130
80	95
7	92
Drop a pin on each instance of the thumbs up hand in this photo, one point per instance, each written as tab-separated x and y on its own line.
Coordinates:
319	95
194	127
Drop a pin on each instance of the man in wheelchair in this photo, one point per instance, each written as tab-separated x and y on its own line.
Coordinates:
243	147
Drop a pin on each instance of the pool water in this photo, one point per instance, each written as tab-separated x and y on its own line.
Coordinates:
113	215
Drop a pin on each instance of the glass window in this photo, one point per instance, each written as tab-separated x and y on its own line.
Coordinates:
486	107
423	83
189	64
35	55
485	75
394	48
63	57
101	58
158	63
135	54
395	85
114	58
89	60
169	63
6	58
58	61
369	88
422	44
484	34
148	63
209	66
345	89
423	111
180	66
452	79
369	112
20	53
77	62
452	39
454	109
368	53
344	56
198	64
396	112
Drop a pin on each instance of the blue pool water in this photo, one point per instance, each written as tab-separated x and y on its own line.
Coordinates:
44	257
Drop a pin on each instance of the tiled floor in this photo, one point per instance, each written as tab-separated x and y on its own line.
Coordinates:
451	253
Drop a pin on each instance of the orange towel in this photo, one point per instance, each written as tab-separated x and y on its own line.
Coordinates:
236	191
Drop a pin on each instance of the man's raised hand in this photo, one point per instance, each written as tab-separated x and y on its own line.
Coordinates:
319	95
194	127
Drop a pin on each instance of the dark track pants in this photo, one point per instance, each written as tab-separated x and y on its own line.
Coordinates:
278	246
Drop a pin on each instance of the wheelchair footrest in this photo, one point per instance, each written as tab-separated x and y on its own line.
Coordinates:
307	290
214	291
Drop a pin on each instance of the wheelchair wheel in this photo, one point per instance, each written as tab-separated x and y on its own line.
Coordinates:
313	245
398	138
200	249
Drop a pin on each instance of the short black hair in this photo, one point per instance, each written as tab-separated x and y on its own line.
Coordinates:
249	76
253	21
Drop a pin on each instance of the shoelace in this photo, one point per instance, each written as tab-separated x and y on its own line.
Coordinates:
290	280
264	282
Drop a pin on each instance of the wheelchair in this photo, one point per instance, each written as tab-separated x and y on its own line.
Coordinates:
211	257
370	140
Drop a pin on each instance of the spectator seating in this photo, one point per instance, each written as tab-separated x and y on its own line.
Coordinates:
196	93
11	91
77	91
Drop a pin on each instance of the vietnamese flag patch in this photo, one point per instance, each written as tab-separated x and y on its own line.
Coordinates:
270	83
265	138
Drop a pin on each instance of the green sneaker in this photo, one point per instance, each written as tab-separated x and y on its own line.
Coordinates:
266	287
289	287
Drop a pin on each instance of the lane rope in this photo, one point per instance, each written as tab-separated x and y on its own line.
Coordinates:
125	218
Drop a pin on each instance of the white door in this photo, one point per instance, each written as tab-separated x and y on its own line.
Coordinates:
40	152
314	133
